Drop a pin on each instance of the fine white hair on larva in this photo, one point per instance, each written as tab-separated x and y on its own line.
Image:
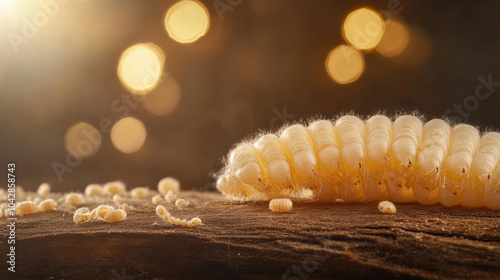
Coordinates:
74	199
140	192
355	160
168	184
181	203
387	207
280	205
117	199
115	187
47	205
26	208
170	197
94	190
43	189
156	199
115	216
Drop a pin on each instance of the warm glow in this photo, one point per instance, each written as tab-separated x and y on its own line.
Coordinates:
164	99
128	135
345	64
363	28
418	50
186	21
82	140
140	68
395	39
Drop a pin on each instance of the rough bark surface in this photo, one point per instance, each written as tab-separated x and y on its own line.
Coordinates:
248	241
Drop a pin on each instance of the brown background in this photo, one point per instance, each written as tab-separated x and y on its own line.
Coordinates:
233	80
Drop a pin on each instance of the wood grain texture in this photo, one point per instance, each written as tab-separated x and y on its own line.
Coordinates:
248	241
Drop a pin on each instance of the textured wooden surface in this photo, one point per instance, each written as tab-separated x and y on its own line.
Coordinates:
248	241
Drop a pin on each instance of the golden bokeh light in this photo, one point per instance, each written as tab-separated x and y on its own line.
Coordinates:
128	135
419	48
395	39
82	140
140	67
363	28
186	21
164	99
345	64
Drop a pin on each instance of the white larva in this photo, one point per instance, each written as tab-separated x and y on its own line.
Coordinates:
74	199
37	200
81	217
140	192
117	199
43	189
26	207
160	210
156	199
387	207
101	211
405	160
126	207
47	205
280	205
168	184
170	197
196	221
181	203
115	216
115	187
4	206
94	190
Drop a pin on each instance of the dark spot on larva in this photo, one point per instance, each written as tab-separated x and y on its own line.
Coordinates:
260	180
359	164
380	183
454	193
437	169
463	170
409	162
489	176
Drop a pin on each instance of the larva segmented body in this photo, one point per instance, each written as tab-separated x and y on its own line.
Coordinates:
377	159
280	205
26	207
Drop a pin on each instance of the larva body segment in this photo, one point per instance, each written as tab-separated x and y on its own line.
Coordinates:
464	140
351	137
433	151
328	153
74	199
483	165
354	160
26	208
115	216
47	205
378	145
302	159
407	134
276	169
280	205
